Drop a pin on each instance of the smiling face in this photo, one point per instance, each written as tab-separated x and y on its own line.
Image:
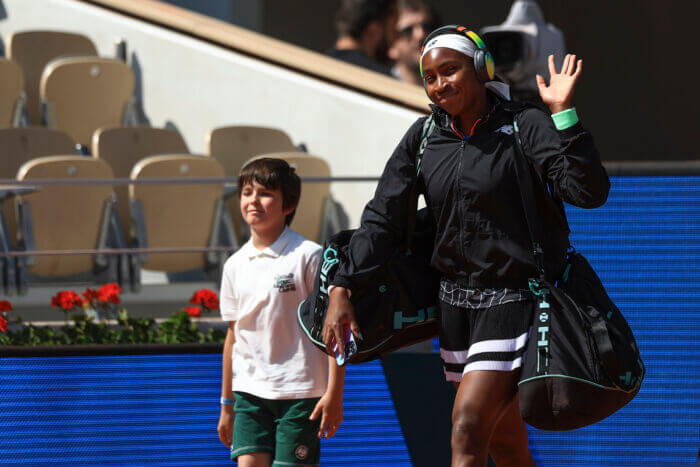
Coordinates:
263	208
451	82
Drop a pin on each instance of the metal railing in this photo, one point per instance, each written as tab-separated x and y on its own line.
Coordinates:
12	187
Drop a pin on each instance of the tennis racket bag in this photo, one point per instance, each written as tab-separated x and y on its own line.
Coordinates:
399	309
583	363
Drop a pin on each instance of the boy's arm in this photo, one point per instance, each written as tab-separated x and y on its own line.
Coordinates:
330	406
227	416
336	380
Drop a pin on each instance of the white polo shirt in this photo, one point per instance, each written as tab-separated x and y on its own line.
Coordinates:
260	291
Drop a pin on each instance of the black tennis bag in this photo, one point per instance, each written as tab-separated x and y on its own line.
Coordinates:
399	309
582	363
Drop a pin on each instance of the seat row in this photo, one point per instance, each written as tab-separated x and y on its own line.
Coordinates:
137	153
123	147
55	218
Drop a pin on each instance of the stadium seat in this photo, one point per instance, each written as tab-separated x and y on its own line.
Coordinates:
8	277
33	50
317	217
178	215
12	97
123	147
234	145
20	145
68	217
82	94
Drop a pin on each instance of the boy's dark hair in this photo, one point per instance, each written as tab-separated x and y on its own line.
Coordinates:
354	15
274	174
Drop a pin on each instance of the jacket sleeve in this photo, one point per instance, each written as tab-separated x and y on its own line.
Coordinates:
384	222
568	159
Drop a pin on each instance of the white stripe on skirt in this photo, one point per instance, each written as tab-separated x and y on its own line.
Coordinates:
493	365
453	356
497	345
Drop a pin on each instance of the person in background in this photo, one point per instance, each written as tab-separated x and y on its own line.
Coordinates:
366	28
288	394
416	20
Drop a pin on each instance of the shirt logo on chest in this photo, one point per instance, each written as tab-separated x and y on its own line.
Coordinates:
507	129
285	283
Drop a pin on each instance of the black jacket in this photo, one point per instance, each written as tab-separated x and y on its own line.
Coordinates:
470	187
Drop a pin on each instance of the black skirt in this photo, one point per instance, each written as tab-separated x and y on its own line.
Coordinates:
493	338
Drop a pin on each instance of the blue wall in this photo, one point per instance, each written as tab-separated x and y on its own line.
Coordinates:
645	245
163	409
160	410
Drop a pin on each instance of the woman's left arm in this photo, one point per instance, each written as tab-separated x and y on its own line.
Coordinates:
563	149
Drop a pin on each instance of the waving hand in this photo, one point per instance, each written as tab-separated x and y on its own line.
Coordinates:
558	95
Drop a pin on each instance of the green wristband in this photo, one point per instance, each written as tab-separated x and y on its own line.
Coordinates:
565	119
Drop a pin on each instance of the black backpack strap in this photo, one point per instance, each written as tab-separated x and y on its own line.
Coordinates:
428	127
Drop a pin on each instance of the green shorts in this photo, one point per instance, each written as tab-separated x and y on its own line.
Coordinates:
280	427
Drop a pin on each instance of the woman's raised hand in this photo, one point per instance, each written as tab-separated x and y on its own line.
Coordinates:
558	95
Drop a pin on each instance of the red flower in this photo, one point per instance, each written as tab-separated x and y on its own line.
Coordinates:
5	306
90	296
3	324
109	293
193	311
206	298
66	300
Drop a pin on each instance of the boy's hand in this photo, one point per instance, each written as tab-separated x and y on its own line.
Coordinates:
331	410
225	427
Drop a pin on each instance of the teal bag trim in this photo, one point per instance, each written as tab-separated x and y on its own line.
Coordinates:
581	380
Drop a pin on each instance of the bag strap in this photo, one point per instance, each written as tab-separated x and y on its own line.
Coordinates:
527	193
613	367
611	363
428	127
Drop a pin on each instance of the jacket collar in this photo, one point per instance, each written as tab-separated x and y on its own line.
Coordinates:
444	119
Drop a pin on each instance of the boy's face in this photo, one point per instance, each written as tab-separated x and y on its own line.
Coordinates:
261	207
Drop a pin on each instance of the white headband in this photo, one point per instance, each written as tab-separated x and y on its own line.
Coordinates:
460	43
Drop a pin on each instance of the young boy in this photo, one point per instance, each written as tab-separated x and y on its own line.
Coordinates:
282	384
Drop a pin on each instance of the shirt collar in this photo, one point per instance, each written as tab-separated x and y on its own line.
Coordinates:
274	250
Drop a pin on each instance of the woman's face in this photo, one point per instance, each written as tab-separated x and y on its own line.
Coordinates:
450	80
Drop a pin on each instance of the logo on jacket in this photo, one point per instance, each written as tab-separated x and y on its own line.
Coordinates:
507	129
285	283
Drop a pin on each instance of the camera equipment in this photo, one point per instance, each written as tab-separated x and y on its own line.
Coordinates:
520	47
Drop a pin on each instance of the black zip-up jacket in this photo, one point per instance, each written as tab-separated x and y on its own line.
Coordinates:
471	189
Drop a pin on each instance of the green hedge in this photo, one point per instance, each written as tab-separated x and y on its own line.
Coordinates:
84	330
